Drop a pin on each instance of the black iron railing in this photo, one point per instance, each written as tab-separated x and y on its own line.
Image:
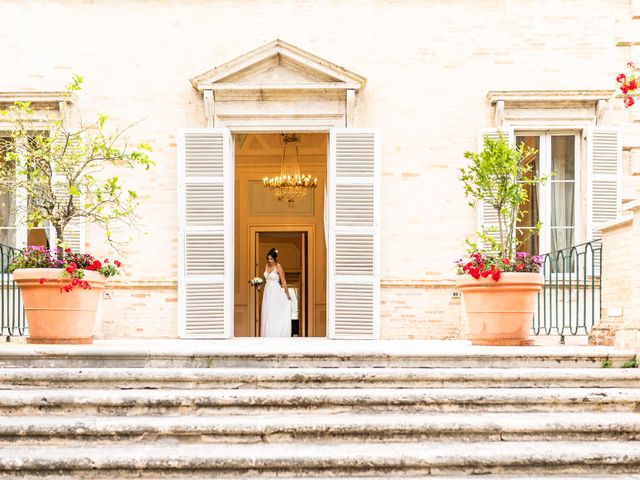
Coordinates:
13	321
569	303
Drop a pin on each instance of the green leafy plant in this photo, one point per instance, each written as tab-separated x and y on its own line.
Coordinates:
633	363
499	176
61	172
607	363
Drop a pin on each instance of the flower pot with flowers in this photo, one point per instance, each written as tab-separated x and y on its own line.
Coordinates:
500	284
62	174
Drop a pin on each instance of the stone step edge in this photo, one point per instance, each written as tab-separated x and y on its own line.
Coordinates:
79	374
492	423
423	455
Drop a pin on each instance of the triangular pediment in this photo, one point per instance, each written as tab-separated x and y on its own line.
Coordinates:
278	65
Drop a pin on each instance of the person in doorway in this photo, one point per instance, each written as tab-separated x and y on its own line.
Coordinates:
276	302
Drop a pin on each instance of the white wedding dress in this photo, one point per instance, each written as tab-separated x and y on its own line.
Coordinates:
276	308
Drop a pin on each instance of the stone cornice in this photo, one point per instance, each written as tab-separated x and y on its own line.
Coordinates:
548	98
38	99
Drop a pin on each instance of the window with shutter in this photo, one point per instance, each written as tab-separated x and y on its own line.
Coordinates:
353	196
205	190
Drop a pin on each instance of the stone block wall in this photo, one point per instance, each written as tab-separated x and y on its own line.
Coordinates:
620	321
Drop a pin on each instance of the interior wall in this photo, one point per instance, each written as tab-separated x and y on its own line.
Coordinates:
257	156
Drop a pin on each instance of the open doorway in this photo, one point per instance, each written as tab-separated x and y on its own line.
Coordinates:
296	229
293	255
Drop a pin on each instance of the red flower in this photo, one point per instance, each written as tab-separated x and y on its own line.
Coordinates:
75	281
496	275
633	84
117	263
506	261
628	101
72	267
67	250
68	288
106	260
520	266
477	257
96	265
622	78
486	273
42	280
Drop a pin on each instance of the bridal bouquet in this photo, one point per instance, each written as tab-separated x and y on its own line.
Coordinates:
256	282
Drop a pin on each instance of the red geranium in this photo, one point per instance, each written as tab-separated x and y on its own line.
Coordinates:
628	85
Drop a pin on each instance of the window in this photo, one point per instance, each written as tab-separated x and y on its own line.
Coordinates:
12	234
555	203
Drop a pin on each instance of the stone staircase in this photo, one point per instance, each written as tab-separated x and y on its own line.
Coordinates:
317	409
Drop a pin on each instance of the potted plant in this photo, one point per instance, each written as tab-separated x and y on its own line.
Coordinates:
498	283
62	175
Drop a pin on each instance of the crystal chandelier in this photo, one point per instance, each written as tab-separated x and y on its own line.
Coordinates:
290	185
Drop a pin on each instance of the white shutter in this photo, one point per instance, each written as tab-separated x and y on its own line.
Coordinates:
205	219
74	232
604	154
487	216
353	287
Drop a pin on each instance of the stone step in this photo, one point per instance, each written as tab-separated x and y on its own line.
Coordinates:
305	352
252	378
327	428
251	401
312	460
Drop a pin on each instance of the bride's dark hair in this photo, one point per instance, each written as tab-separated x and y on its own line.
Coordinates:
274	254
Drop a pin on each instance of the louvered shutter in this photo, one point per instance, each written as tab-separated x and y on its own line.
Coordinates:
74	232
604	153
487	216
354	234
205	190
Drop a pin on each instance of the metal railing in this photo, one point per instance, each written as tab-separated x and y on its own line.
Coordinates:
569	303
13	321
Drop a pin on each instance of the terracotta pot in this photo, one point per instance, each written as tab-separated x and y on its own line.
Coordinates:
54	316
500	313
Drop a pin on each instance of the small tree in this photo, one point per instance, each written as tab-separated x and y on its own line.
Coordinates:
498	176
61	171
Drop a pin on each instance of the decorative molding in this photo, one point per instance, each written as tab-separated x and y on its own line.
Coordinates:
209	108
53	100
350	106
499	114
322	74
548	98
601	107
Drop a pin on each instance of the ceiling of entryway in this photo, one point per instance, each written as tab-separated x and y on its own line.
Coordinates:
269	146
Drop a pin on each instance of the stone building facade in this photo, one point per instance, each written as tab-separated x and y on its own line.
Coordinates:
431	76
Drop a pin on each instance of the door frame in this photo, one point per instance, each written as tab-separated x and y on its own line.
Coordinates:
310	299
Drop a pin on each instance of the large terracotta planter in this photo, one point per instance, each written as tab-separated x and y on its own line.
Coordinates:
500	313
54	316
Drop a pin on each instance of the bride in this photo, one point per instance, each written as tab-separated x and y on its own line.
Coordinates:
276	302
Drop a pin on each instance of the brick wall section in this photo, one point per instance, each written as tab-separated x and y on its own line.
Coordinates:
429	66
